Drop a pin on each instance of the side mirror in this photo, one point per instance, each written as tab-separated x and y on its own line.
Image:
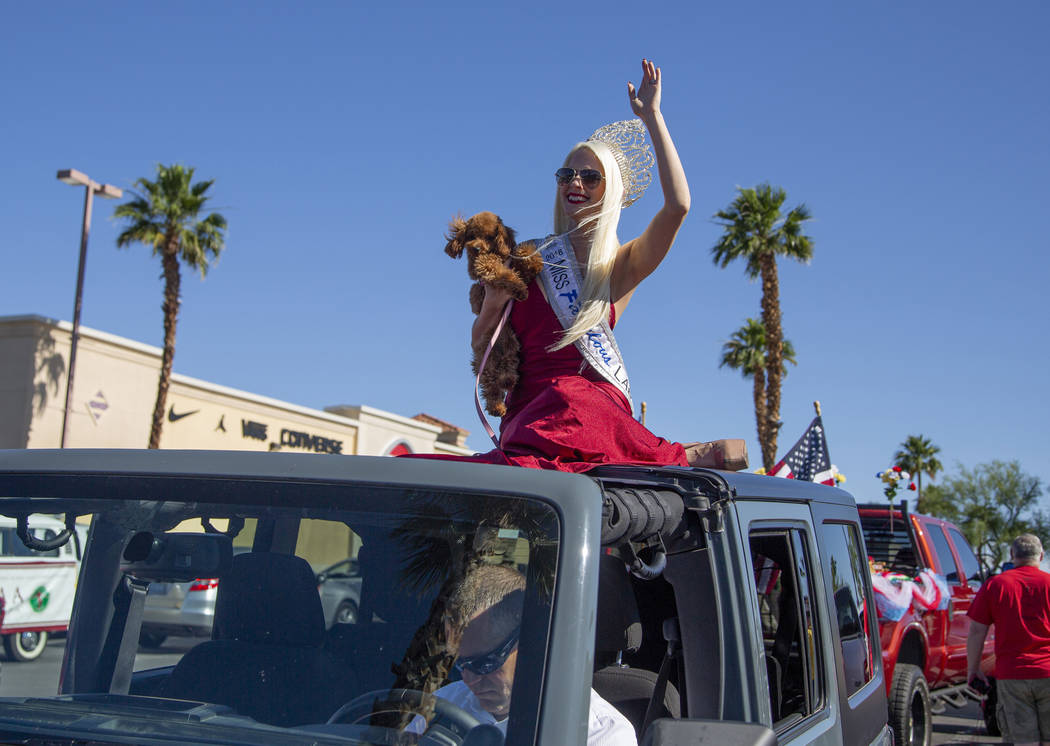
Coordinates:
177	557
668	732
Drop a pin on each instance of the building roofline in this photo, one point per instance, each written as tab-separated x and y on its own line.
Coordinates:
384	415
179	377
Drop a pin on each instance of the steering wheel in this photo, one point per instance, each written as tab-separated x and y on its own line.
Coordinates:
448	718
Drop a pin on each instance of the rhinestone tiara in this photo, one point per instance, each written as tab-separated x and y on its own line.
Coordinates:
626	140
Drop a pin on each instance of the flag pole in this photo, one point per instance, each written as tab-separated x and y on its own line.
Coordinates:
816	406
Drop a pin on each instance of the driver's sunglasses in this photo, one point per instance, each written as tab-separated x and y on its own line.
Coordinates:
589	177
486	663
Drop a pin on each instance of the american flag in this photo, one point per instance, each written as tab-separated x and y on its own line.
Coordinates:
808	459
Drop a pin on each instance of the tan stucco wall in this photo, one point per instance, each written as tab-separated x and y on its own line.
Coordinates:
215	417
18	343
115	388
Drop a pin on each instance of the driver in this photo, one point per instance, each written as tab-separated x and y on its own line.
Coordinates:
487	607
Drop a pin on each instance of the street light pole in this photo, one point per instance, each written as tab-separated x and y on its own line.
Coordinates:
76	178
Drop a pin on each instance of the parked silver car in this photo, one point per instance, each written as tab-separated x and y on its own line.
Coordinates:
188	609
340	589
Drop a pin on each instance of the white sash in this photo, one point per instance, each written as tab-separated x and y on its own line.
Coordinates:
562	285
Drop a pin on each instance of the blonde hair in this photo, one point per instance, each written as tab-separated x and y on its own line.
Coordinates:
605	245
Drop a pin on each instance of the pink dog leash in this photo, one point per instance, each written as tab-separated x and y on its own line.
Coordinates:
477	379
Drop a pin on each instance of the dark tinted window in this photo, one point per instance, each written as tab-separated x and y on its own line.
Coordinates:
789	628
889	542
971	567
379	617
848	569
944	552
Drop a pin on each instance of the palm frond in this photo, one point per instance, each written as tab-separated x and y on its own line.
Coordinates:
170	205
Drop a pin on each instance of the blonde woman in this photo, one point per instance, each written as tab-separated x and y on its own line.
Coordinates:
571	409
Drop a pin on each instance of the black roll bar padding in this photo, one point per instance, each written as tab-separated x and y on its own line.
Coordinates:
635	514
44	545
649	570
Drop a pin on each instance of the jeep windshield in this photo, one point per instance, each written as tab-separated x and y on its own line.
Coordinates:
331	618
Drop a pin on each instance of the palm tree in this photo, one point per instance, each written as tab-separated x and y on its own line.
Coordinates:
746	351
165	214
916	455
757	231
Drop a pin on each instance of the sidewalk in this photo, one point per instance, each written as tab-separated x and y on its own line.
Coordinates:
964	725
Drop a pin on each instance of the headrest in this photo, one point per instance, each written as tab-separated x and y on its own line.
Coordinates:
270	599
618	627
382	591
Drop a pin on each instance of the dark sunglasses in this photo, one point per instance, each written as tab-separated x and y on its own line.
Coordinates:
488	662
589	177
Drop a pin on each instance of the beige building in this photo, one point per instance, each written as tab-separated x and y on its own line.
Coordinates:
115	388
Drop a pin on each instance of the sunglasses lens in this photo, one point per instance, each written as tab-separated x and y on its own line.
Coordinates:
480	666
590	177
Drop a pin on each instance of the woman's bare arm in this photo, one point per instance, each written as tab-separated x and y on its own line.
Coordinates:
491	309
638	258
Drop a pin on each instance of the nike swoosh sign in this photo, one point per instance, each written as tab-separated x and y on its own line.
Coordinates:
172	417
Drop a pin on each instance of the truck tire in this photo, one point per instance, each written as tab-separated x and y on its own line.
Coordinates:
25	646
910	715
988	709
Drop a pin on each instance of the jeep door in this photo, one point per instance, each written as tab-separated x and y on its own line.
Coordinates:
851	604
957	626
792	631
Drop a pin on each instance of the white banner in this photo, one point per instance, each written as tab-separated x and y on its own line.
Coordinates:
37	593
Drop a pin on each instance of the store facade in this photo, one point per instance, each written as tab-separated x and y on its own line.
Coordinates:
115	388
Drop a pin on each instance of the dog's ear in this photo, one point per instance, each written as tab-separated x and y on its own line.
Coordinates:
511	237
456	233
505	237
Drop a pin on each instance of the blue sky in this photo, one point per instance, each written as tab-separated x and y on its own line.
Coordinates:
343	136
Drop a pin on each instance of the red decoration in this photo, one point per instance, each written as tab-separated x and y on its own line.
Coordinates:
912	486
896	468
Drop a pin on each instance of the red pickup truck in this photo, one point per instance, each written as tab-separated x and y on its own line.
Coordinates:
925	576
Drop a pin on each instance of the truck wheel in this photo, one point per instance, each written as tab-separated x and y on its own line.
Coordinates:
25	646
988	708
910	715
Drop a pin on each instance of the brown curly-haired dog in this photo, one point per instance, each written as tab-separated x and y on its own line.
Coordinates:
490	248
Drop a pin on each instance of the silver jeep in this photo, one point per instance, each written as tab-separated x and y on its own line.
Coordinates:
705	606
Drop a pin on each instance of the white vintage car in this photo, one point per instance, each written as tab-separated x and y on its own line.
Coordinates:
36	585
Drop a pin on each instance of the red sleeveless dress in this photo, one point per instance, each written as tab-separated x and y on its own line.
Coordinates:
562	414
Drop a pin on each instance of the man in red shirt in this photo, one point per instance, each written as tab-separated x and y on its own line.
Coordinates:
1017	602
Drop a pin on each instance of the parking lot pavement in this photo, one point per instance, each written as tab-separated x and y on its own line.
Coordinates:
964	725
39	678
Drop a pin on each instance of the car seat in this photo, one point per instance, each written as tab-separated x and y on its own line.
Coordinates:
265	658
619	630
390	614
